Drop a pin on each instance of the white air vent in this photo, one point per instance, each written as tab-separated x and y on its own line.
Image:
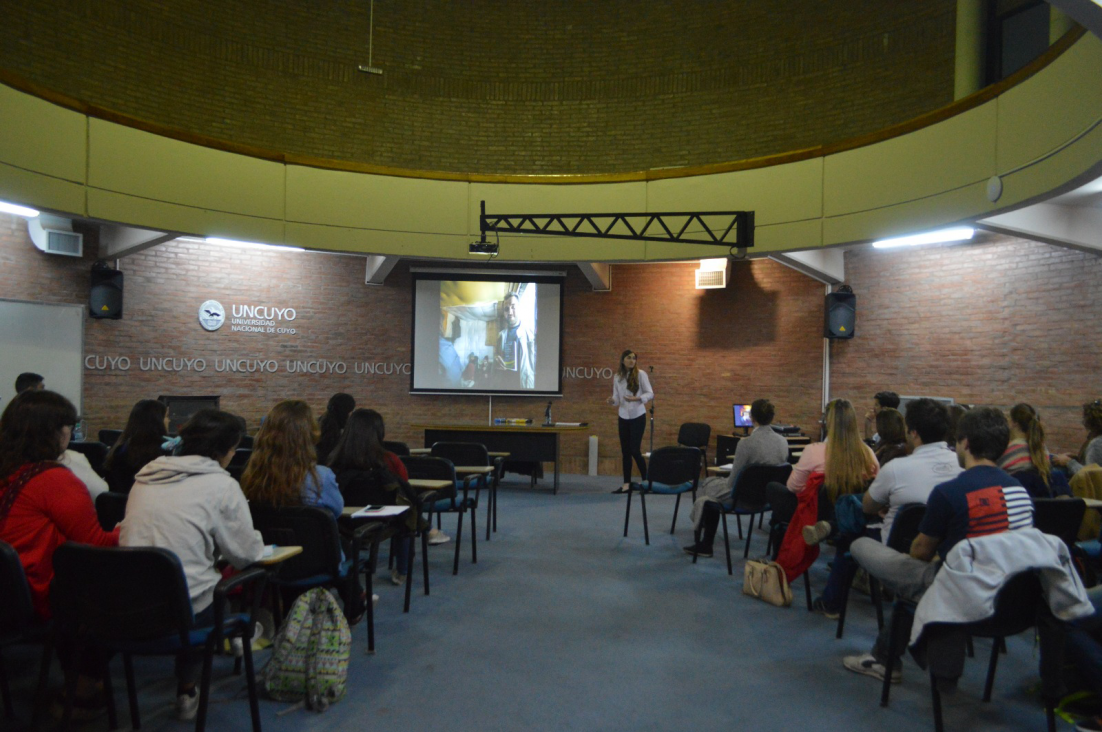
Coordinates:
712	274
55	235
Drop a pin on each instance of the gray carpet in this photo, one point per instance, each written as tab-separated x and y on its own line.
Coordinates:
565	625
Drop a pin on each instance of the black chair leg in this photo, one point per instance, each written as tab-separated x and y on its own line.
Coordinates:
935	696
250	679
877	601
726	541
886	686
696	542
131	691
738	521
5	690
390	552
409	573
627	513
676	505
845	605
458	543
646	529
746	551
109	695
761	519
425	558
990	683
807	589
474	538
204	684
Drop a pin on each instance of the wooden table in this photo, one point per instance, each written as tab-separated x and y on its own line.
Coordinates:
718	470
1094	503
428	451
280	554
523	442
428	484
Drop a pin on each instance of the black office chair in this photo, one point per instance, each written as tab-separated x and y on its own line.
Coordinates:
110	509
748	499
446	500
398	448
904	530
18	624
1060	517
135	601
246	443
672	471
379	487
698	435
475	454
109	437
1019	606
320	563
96	452
238	462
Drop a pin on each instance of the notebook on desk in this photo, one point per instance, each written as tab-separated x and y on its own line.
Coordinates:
380	512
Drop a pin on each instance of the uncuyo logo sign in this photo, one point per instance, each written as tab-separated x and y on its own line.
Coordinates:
212	315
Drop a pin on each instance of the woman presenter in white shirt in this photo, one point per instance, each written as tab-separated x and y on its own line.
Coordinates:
630	392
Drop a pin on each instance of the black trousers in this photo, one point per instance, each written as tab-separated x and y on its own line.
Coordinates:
631	438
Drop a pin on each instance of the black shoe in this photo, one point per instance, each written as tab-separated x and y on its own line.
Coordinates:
698	550
621	489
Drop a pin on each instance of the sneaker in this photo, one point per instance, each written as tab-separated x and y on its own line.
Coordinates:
436	536
1093	724
397	578
820	607
816	532
868	666
698	550
374	601
187	706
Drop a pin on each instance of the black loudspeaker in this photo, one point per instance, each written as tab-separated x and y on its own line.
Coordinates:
840	314
105	299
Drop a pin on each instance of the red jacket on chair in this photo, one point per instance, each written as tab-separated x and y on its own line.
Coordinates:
795	555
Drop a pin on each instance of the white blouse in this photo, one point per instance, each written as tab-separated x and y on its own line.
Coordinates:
631	410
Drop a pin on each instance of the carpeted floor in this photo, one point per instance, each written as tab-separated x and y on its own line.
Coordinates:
565	625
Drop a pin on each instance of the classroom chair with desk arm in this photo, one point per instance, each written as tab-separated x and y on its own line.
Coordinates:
446	500
320	564
747	499
474	455
135	601
672	471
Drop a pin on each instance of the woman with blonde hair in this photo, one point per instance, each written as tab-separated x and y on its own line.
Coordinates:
846	462
283	469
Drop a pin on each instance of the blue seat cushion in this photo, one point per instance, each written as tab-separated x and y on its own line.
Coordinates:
233	623
667	490
445	506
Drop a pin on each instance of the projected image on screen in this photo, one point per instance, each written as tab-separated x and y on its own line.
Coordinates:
486	336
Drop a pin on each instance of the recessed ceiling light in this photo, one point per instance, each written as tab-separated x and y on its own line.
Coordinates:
249	244
958	233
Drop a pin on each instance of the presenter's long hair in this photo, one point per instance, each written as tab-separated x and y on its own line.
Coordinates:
361	444
1026	419
631	376
30	429
283	455
849	464
142	437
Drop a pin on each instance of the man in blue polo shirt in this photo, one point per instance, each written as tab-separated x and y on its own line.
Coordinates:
980	501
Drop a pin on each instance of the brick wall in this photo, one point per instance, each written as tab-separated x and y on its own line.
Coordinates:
564	87
758	337
993	323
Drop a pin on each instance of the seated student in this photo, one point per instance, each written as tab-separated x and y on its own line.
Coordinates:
139	443
901	481
881	400
1026	457
332	423
283	468
1091	451
361	462
762	447
191	506
893	436
29	381
981	500
42	506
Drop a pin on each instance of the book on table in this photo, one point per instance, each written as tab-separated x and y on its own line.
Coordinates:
380	511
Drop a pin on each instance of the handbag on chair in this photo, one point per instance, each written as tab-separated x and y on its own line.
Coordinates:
765	580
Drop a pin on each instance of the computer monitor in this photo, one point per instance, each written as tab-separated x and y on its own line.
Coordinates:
742	415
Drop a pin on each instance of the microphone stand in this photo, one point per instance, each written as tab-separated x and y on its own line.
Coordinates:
651	370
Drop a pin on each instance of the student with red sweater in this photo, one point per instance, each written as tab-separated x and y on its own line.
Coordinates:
43	505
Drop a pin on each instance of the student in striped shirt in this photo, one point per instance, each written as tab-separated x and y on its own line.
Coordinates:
980	501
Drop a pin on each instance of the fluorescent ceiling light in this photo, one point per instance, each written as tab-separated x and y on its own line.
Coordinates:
12	208
249	244
958	233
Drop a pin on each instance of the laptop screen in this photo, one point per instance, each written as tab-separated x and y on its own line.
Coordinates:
742	415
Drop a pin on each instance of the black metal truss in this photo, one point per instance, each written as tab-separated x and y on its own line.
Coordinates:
734	229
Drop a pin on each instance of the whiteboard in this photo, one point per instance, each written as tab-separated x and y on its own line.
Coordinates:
47	339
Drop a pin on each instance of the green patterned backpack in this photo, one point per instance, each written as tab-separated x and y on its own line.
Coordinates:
310	654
